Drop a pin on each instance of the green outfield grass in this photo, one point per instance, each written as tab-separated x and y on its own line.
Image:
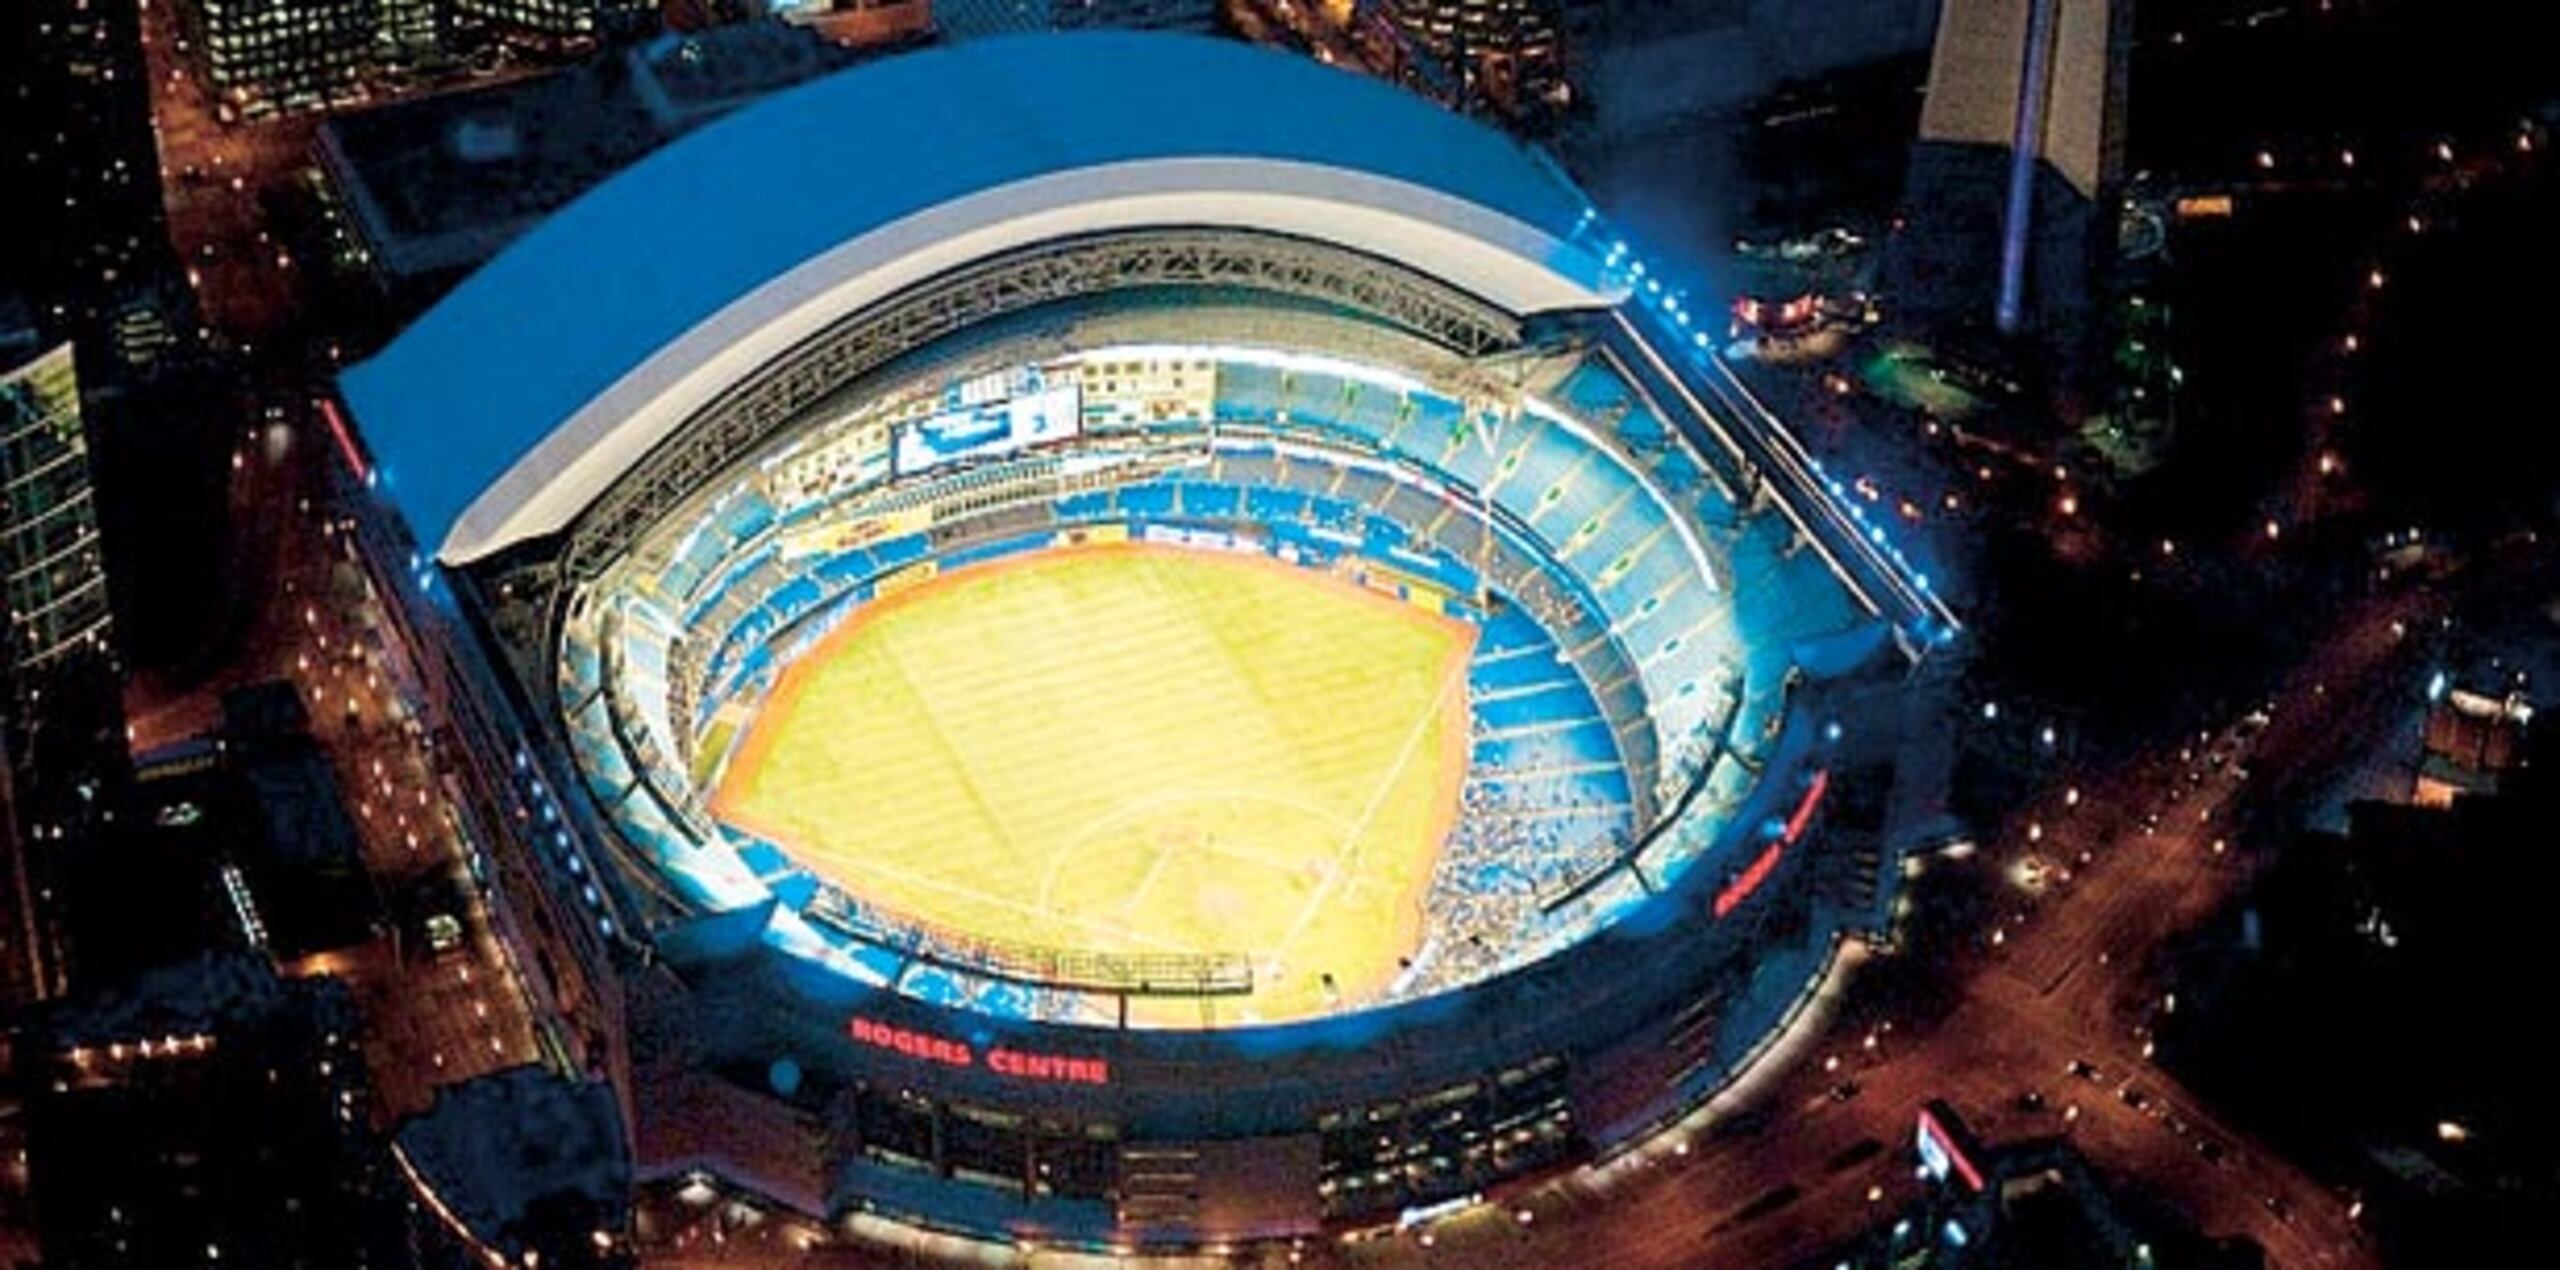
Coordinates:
1130	749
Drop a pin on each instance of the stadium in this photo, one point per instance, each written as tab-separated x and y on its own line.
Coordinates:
1186	651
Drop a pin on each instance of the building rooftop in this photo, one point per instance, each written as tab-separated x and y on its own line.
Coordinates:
197	995
689	79
499	1149
442	183
977	19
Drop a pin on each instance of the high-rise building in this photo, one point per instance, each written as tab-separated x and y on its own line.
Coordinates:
56	587
1506	54
61	720
413	31
80	166
263	56
557	25
90	268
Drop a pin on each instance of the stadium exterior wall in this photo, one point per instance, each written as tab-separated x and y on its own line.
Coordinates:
1645	1021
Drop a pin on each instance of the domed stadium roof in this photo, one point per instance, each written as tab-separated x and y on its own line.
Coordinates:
516	401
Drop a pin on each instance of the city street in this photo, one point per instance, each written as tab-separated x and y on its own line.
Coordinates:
433	1016
2055	1003
2064	985
215	178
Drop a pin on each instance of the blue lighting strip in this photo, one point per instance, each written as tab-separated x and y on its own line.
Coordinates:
1922	614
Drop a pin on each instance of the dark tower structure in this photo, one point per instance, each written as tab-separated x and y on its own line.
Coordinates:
2019	156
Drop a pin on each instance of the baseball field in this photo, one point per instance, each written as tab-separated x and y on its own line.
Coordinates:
1129	748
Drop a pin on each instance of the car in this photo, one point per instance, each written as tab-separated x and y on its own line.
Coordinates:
2133	1097
2080	1067
2210	1149
2277	1208
2031	1100
1844	1091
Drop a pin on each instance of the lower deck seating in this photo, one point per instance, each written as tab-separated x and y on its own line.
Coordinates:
1605	646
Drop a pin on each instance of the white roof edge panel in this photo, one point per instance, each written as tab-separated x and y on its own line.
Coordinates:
1514	266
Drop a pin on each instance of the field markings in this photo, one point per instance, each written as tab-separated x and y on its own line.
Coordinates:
928	882
1131	810
947	737
1454	679
1138	893
1227	847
